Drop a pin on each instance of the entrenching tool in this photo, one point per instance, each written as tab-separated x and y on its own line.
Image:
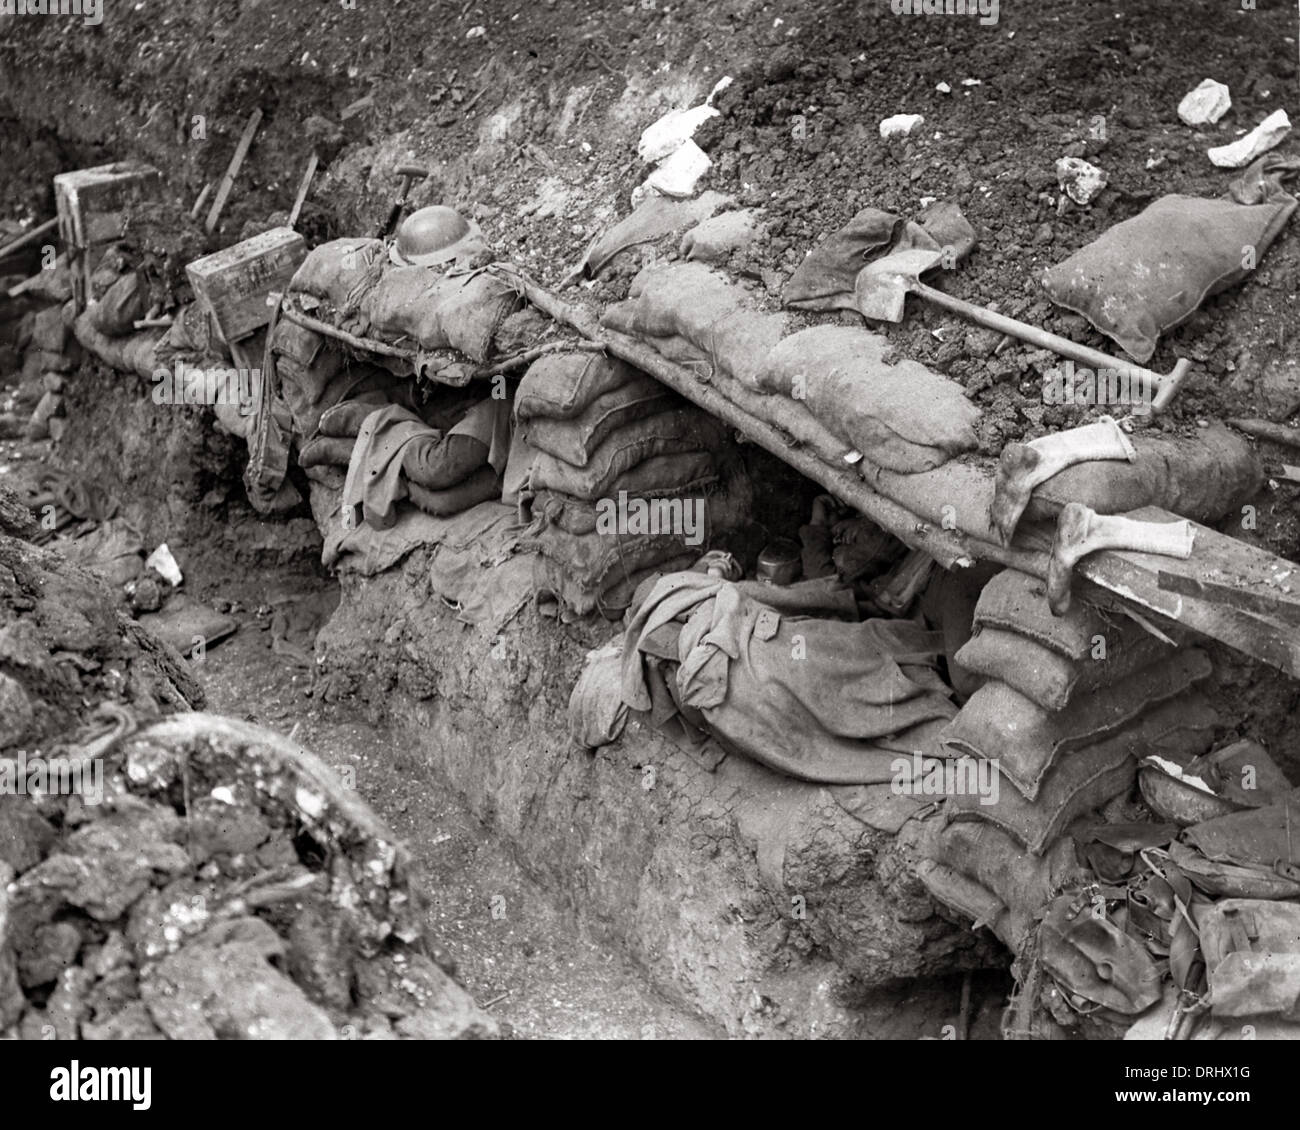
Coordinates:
884	283
407	175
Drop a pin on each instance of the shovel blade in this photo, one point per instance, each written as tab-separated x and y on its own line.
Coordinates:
881	287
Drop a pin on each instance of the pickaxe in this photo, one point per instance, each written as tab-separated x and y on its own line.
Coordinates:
407	175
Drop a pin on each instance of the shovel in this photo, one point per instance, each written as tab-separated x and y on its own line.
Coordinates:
407	175
883	285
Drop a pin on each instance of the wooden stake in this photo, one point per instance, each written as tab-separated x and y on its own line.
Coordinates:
29	237
198	204
228	181
1264	429
302	190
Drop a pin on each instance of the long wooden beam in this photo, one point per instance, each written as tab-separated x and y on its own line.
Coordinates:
1118	578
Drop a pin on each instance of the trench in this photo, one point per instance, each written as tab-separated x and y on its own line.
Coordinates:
577	901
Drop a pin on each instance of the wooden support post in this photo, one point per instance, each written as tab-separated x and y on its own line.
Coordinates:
228	180
302	190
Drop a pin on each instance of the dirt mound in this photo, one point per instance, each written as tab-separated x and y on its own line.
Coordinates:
198	878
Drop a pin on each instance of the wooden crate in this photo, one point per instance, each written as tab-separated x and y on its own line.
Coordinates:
93	203
234	283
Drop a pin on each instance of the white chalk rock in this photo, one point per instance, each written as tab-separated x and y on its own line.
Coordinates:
900	125
1260	140
162	562
672	131
1079	180
679	172
1206	104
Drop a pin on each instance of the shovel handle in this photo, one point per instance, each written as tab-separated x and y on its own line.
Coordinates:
1165	386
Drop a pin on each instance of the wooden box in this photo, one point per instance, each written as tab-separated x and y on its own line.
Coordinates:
93	203
234	283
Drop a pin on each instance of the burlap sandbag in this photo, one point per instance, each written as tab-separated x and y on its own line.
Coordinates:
575	440
682	432
609	592
438	311
124	302
1148	274
1001	723
1025	883
341	272
560	386
717	318
1016	602
578	516
1085	779
1202	477
898	413
1049	679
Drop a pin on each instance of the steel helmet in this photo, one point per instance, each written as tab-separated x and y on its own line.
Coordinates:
433	235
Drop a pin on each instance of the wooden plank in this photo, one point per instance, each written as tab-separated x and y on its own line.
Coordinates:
232	170
1108	577
28	237
302	190
1228	563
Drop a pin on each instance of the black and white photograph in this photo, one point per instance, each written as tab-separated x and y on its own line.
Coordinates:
649	521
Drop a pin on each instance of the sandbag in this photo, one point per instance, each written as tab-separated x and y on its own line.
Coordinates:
900	415
574	440
561	386
826	279
597	715
681	432
341	272
1000	723
699	306
1087	778
1016	602
1148	274
1202	477
714	239
1025	883
1049	679
437	311
125	301
656	217
578	516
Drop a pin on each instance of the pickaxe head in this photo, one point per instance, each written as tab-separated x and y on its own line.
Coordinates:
882	285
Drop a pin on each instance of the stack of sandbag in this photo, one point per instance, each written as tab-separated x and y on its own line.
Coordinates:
895	413
627	479
445	317
1069	706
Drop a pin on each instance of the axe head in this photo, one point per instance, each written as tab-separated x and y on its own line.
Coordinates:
882	285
